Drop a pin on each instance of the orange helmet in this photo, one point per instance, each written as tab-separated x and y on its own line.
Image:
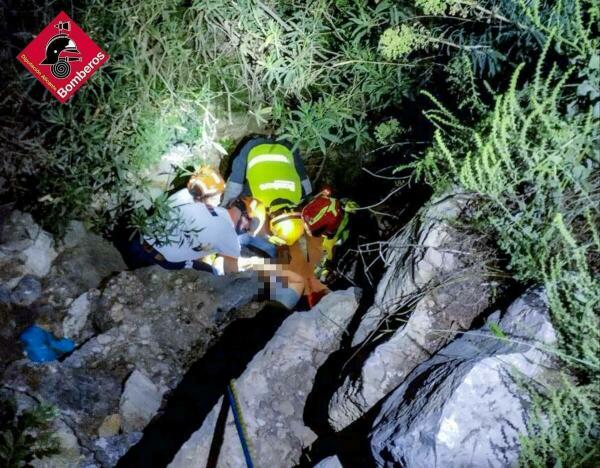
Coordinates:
205	183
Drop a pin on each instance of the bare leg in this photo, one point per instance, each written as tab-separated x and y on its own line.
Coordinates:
286	287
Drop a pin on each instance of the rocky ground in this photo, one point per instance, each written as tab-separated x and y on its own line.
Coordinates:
426	367
137	332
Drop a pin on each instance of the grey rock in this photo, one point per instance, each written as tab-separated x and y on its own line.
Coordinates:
27	291
77	316
155	321
140	401
25	248
273	390
413	257
108	450
85	261
20	401
430	292
76	234
4	295
329	462
463	407
13	321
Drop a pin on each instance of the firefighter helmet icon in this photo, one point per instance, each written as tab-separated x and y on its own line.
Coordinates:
58	51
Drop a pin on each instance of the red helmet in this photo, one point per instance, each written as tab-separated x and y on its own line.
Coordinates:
322	215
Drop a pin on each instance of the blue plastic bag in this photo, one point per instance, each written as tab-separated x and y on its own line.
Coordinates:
42	346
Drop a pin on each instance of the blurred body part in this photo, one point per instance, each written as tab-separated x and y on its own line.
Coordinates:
280	284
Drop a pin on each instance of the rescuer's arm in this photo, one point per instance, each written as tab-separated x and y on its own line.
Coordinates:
235	183
305	181
233	265
325	271
230	265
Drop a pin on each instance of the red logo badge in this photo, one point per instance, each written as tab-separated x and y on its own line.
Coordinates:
62	57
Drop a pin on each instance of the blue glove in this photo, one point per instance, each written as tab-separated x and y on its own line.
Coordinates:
42	346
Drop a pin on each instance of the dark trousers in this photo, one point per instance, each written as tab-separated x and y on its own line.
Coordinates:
138	254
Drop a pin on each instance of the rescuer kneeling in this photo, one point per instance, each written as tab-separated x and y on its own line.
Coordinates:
339	223
270	172
202	236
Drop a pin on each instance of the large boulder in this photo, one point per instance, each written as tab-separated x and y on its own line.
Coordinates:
150	326
414	257
25	249
465	406
436	285
273	389
85	260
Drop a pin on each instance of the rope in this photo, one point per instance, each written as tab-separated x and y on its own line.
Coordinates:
239	423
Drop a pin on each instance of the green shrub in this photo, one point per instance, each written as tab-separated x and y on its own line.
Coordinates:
26	436
179	68
535	167
563	427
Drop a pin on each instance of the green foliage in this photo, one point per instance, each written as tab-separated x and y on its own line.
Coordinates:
395	43
536	171
574	20
433	7
179	69
148	99
463	82
497	331
314	76
438	27
386	132
26	436
560	427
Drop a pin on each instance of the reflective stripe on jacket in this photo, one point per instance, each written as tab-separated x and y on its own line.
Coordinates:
272	175
268	155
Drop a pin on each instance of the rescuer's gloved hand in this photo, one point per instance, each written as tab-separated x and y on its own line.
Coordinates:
323	272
